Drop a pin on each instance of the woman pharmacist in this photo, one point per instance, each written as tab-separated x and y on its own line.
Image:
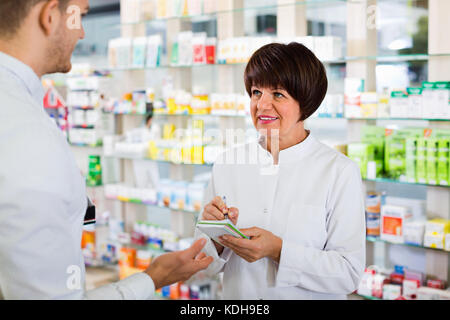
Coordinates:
302	206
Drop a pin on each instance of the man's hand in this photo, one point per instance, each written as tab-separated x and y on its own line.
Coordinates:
262	244
215	210
178	266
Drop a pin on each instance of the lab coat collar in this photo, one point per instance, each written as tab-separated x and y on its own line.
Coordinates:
291	154
24	75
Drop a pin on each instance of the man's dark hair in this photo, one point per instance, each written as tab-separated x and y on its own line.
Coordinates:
14	12
292	67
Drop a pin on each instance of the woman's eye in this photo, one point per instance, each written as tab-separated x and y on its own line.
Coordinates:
256	92
278	95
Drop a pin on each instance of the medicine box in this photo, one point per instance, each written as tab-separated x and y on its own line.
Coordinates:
442	98
428	100
414	102
437	226
434	240
361	153
392	291
410	289
421	169
413	232
410	156
393	219
443	161
399	104
431	160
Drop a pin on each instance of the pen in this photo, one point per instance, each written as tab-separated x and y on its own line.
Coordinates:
225	201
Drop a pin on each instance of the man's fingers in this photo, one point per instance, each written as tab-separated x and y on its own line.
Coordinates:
200	256
195	249
203	263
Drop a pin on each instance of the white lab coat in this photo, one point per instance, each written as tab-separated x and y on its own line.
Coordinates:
313	201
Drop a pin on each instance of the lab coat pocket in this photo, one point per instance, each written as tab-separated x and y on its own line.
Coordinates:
306	225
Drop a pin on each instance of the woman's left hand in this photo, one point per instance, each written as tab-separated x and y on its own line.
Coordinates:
262	244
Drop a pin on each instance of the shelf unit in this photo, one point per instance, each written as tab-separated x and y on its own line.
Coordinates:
360	61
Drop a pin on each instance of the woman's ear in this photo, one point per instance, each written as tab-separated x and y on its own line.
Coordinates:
49	17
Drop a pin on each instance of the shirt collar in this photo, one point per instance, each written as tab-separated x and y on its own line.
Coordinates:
293	153
25	75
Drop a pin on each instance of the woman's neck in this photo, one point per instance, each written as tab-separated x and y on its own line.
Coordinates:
275	146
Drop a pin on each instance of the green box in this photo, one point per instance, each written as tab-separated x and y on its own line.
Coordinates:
361	153
411	151
375	136
94	176
421	168
431	160
395	151
443	161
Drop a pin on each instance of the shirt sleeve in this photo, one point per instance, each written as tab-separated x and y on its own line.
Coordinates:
40	232
210	249
139	286
337	268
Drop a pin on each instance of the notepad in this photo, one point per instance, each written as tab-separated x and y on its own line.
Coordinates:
216	228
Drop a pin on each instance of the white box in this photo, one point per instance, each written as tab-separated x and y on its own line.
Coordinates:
393	219
391	291
410	288
413	232
415	103
399	104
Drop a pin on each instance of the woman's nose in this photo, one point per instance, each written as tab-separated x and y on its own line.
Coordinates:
265	102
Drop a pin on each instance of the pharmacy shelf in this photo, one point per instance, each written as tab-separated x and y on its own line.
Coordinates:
213	14
343	60
387	180
181	114
83	107
83	126
85	145
397	119
366	297
372	239
239	116
127	157
150	204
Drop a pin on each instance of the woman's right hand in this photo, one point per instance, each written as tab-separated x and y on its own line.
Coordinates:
215	210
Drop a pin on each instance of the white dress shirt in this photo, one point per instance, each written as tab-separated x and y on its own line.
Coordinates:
313	200
42	201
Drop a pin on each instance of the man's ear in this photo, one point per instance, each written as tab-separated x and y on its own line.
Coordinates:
49	17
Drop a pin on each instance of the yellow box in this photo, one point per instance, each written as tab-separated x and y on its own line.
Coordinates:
437	226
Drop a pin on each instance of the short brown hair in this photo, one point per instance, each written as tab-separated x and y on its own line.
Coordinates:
292	67
13	12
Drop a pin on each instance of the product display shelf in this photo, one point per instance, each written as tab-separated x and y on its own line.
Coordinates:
367	297
127	157
399	119
388	180
343	60
145	248
83	107
372	239
182	114
214	14
150	204
98	145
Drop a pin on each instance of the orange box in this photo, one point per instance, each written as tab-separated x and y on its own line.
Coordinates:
127	257
175	291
